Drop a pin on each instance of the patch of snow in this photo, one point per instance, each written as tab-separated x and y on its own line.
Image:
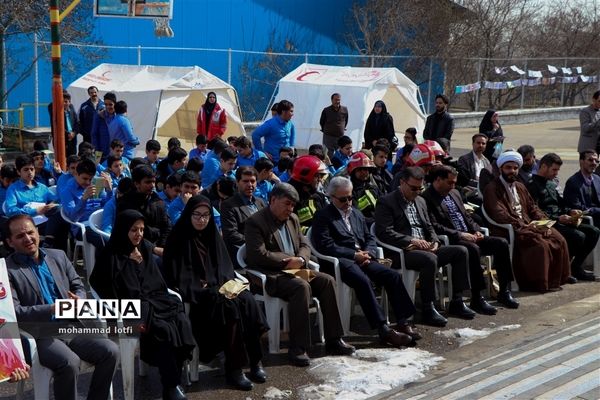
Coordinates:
273	393
468	335
367	373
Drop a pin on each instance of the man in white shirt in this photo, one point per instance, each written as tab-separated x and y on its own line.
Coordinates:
471	164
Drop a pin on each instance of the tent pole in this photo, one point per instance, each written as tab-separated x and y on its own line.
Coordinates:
155	130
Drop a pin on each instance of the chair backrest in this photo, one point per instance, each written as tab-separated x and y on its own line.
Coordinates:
509	228
68	220
95	221
4	207
241	256
53	189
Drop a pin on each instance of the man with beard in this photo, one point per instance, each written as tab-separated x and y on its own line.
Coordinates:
508	202
440	124
582	190
530	164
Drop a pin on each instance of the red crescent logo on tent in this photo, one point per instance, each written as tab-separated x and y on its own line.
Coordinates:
2	291
301	77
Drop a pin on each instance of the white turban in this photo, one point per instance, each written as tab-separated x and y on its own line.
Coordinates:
509	156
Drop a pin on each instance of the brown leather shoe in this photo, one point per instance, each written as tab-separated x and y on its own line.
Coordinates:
396	339
408	330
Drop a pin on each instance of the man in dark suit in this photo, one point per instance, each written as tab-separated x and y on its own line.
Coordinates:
471	164
38	278
582	190
238	208
401	220
339	230
449	217
581	238
274	243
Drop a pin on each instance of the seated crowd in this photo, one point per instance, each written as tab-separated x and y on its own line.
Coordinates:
180	223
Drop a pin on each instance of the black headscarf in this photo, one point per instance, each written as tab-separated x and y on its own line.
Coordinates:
379	126
115	275
486	124
193	257
208	109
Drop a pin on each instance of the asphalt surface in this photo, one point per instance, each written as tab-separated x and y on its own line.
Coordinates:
560	137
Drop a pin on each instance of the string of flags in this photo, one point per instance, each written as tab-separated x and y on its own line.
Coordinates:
530	78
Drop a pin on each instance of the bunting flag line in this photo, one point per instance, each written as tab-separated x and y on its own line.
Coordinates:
501	70
566	71
546	81
578	69
552	69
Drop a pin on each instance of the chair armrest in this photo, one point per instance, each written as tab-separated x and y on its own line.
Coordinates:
259	275
485	231
313	265
240	277
380	252
174	293
444	239
588	219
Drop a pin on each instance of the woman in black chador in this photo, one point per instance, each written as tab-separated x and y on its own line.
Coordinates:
196	264
125	269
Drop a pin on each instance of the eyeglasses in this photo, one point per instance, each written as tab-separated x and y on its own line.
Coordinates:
200	216
413	188
345	199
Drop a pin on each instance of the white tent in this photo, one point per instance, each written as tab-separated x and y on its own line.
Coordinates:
310	86
162	102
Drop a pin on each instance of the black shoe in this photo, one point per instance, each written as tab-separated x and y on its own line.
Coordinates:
506	299
237	379
257	374
409	330
459	309
298	357
174	393
338	347
571	280
394	338
430	316
481	306
583	275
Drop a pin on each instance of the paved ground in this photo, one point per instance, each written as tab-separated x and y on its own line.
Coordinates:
553	364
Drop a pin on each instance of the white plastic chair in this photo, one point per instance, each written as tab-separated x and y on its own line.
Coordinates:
511	242
53	189
95	224
344	292
87	248
409	276
274	306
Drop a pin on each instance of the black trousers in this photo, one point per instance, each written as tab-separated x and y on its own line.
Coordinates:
360	278
581	240
488	246
427	263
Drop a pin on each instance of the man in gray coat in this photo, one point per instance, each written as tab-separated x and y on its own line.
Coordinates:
589	119
39	277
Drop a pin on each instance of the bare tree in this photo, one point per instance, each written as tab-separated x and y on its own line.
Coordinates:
25	17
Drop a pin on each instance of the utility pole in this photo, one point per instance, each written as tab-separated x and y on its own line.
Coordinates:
58	119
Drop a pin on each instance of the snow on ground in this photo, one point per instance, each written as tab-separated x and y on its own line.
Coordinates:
367	373
468	335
